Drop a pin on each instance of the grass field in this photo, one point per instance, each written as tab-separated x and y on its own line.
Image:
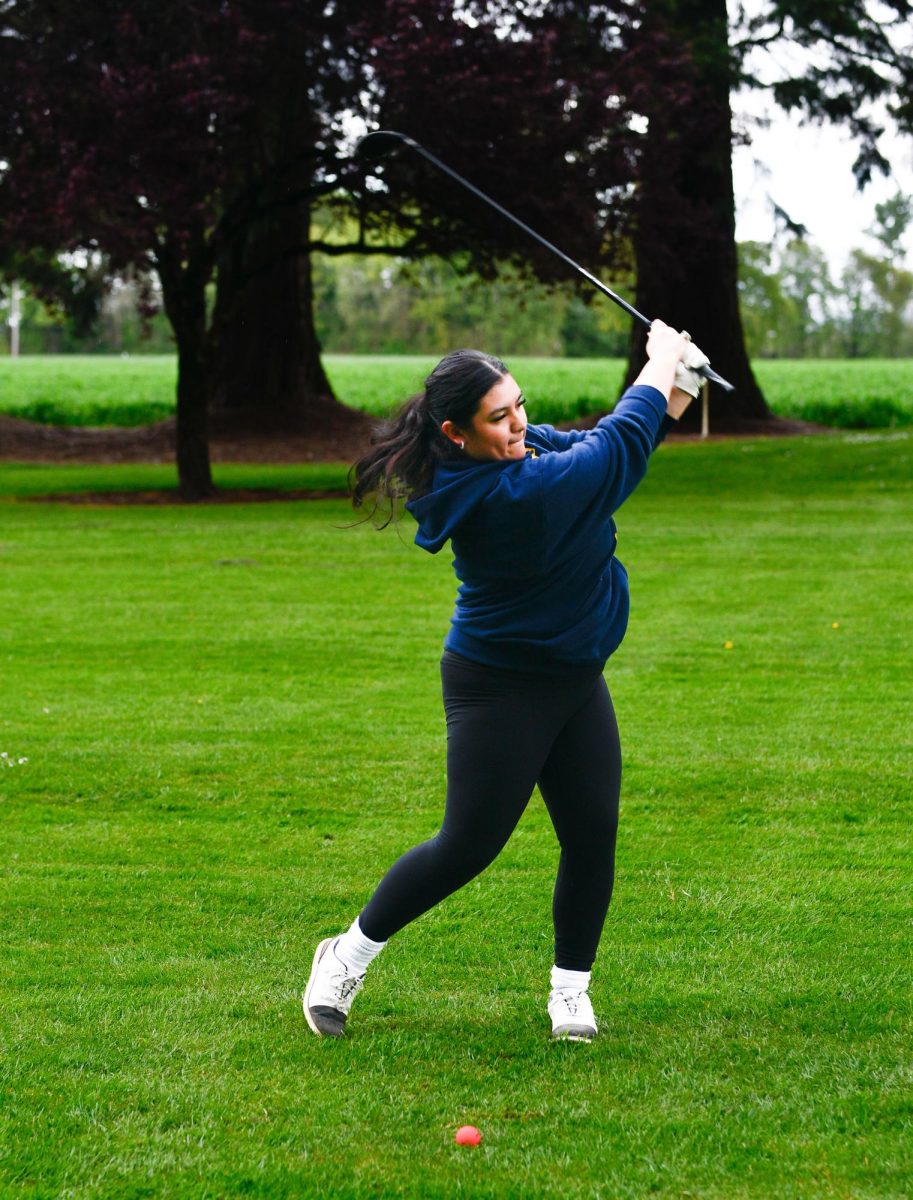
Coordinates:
72	390
231	725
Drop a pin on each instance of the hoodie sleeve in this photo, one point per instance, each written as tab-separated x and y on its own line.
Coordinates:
563	439
667	424
602	466
559	439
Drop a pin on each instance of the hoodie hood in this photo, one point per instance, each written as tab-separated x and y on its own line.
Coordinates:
456	492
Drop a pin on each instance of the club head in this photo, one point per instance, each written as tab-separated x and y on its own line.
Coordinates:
379	144
709	373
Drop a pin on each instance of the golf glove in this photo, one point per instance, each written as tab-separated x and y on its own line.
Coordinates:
686	373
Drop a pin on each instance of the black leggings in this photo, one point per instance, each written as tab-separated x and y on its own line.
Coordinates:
506	732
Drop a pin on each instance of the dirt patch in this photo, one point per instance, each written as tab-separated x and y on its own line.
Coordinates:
332	437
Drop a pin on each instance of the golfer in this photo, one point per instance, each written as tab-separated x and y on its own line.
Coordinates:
542	603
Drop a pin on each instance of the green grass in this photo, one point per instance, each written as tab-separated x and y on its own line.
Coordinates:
232	724
28	480
557	389
73	390
76	389
848	394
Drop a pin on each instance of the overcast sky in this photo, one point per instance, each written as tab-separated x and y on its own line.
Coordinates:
808	172
807	169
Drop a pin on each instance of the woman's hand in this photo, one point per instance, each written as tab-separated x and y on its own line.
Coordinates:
665	347
665	344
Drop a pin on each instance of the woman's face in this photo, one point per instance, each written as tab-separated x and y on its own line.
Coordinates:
498	428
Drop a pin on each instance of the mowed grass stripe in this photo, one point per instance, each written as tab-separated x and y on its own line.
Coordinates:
232	723
94	390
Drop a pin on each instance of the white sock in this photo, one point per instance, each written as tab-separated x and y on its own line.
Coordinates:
578	981
356	950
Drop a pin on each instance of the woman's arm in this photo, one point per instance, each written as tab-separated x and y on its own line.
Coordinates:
678	402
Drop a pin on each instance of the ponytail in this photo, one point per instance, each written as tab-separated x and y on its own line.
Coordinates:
406	449
402	459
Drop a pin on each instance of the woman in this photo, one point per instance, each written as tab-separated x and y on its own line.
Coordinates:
542	603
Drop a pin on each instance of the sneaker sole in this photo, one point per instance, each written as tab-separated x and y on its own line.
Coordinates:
306	995
574	1033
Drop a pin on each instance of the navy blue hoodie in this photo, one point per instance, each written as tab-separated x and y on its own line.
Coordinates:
534	541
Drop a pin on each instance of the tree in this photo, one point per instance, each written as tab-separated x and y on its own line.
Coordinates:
763	306
499	107
683	224
192	140
267	372
879	289
56	286
121	131
809	293
684	213
647	133
856	66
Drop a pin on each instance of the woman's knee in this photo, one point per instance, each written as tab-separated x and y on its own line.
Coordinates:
593	839
464	854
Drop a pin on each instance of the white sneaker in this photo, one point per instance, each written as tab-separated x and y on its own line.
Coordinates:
572	1015
330	991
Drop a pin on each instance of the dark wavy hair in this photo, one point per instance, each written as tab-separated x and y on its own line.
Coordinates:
405	450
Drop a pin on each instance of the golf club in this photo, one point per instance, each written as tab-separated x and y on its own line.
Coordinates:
381	143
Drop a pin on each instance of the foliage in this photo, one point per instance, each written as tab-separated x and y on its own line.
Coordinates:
879	293
853	61
68	390
839	62
183	137
594	330
787	300
397	307
791	308
518	107
160	136
58	287
118	324
127	130
211	788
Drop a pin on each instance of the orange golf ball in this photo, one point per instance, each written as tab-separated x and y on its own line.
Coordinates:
468	1135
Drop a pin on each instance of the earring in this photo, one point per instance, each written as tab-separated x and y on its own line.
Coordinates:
462	445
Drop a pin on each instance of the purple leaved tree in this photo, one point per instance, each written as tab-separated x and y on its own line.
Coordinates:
135	130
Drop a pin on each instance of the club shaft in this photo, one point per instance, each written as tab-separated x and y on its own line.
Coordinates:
706	371
441	166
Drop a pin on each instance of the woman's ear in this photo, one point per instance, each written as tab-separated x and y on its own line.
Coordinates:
453	432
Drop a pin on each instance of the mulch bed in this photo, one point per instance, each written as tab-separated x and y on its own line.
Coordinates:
332	438
339	435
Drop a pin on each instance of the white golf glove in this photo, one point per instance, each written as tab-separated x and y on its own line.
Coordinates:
686	373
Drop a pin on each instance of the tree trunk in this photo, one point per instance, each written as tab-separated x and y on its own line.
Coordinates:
183	280
194	470
267	373
684	240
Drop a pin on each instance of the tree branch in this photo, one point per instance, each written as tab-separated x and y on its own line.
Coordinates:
337	248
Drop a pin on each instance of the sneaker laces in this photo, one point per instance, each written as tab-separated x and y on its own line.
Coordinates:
570	1000
350	986
571	1004
336	985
